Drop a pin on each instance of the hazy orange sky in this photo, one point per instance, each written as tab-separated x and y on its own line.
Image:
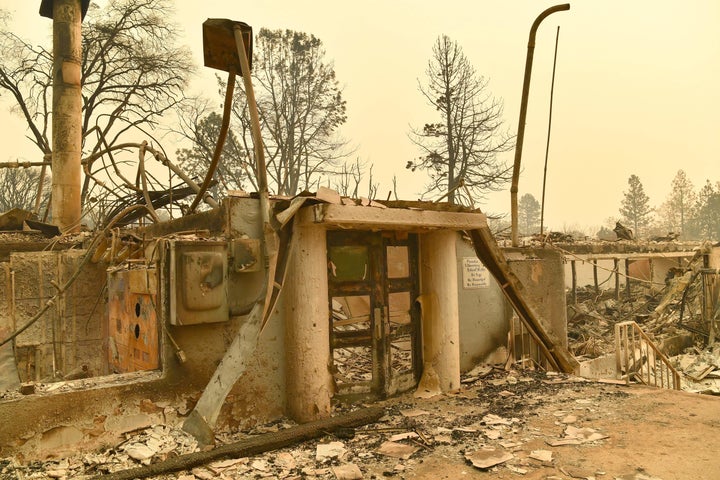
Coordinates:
637	86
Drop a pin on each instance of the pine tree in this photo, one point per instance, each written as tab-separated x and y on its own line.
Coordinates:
706	222
529	214
635	206
677	209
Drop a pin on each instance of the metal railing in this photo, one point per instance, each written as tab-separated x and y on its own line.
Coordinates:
638	358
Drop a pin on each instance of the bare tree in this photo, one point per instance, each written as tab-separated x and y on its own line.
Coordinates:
463	144
347	181
133	72
20	188
202	127
301	108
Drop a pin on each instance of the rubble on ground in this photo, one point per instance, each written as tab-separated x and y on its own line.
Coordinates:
671	316
484	425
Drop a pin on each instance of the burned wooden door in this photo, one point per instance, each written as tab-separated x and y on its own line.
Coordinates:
374	323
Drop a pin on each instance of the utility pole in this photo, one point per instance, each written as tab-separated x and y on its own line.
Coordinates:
67	17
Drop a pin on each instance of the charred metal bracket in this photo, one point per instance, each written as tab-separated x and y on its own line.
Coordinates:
246	255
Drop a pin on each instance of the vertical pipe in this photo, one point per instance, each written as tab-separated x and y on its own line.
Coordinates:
633	343
254	122
66	117
523	115
618	351
547	144
574	281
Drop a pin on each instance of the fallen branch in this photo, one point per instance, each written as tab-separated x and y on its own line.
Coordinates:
251	446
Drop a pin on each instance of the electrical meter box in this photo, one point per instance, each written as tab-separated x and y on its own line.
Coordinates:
198	279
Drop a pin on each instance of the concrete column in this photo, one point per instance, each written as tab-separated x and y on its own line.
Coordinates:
307	327
66	114
440	312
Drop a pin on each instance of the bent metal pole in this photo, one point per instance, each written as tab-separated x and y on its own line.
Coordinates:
523	114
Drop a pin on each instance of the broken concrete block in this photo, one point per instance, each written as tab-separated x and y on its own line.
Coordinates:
487	458
545	456
139	451
397	450
285	460
328	451
518	470
403	436
569	419
349	471
27	388
260	465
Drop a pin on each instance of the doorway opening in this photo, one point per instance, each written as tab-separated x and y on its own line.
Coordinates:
375	342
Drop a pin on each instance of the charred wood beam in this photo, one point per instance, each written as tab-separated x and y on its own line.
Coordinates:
489	253
252	446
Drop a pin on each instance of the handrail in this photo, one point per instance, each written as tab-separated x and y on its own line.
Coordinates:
637	357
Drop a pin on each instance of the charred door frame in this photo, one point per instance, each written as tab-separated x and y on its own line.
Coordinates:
378	286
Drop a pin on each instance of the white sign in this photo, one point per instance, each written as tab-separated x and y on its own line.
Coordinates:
475	275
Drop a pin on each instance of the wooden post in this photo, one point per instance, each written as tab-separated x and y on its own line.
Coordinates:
595	279
627	277
652	275
616	269
574	281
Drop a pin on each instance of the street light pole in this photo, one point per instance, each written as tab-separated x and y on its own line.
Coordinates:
523	115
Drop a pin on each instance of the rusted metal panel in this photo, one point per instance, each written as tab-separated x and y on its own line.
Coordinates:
132	320
219	47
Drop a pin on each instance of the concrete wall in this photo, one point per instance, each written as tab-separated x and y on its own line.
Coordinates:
68	336
484	313
542	274
45	424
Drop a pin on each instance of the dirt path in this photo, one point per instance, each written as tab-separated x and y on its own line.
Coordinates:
651	434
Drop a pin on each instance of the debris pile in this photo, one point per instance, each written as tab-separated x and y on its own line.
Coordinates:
677	318
486	426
